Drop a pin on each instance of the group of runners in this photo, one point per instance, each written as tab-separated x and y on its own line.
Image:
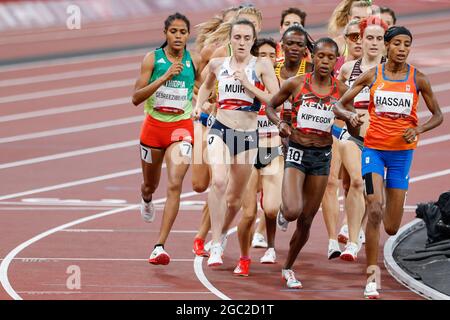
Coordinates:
283	122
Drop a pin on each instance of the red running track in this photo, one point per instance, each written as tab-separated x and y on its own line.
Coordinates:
69	152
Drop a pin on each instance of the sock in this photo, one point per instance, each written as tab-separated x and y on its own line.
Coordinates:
245	258
159	245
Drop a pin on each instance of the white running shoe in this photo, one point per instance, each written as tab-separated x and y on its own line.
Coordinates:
147	211
215	255
223	241
351	252
333	249
343	234
370	292
159	256
289	276
282	223
362	237
259	241
269	257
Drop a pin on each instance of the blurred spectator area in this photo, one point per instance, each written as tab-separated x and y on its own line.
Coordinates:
38	28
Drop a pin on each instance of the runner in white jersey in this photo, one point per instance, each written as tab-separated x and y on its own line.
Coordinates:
233	138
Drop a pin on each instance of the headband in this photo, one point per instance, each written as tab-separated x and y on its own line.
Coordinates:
395	31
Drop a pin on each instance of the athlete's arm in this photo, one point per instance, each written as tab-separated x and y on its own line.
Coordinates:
436	119
287	89
343	88
343	109
206	88
143	90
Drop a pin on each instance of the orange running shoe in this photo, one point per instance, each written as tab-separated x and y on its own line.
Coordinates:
199	248
242	268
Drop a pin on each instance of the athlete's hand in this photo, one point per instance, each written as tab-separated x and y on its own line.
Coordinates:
242	77
356	119
410	135
196	113
174	70
285	129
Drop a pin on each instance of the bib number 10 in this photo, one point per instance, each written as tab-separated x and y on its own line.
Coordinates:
294	155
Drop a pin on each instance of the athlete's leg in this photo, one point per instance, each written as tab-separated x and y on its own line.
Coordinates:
177	166
330	202
249	210
151	172
200	168
291	193
272	180
354	201
313	190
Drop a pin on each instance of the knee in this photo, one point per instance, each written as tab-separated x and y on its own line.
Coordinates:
199	187
174	187
234	204
291	213
332	185
357	184
375	212
391	230
219	184
270	211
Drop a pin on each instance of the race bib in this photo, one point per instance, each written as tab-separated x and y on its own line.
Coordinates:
210	121
363	98
294	155
393	103
171	100
233	90
146	154
265	125
314	118
186	149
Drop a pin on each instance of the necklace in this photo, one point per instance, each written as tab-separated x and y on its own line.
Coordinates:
175	57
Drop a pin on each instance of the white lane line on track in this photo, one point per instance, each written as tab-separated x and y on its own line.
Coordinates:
12	254
69	154
33	293
86	127
70	75
53	259
124	83
66	109
72	183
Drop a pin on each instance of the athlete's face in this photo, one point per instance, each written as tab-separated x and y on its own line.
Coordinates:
253	19
398	48
359	13
324	58
177	35
294	46
242	39
267	51
387	18
373	41
353	40
290	20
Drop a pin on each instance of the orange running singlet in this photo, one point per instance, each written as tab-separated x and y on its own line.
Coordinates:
392	109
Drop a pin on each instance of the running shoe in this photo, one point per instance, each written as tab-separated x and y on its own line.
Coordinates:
199	248
289	276
223	241
215	255
147	211
282	223
242	268
362	237
343	234
351	252
333	249
159	256
370	292
259	241
269	257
